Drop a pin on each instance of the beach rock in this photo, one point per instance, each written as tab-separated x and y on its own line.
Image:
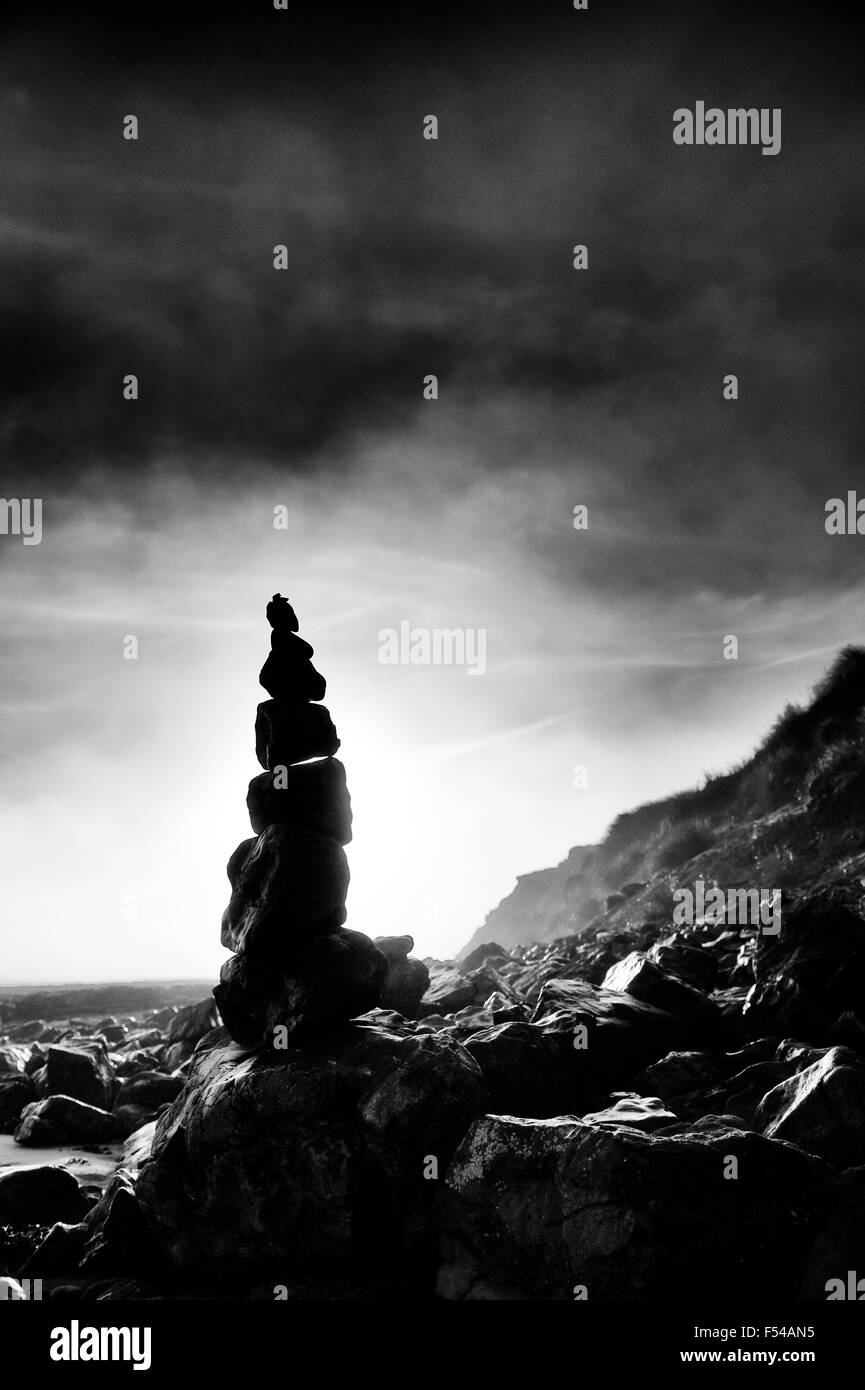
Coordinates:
40	1194
25	1032
79	1068
407	980
524	1071
312	1157
812	972
643	979
15	1092
64	1120
311	796
539	1208
448	991
192	1021
647	1113
685	959
821	1108
291	882
321	981
289	731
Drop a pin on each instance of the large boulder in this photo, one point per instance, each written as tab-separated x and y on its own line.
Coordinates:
605	1036
15	1093
308	1158
811	973
539	1209
80	1068
64	1120
525	1072
686	959
310	796
448	991
290	882
407	980
192	1021
40	1194
644	979
141	1097
25	1032
821	1108
320	981
289	731
12	1059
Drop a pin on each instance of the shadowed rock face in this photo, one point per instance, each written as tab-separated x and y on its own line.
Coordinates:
321	981
288	731
291	882
534	1208
307	1158
312	796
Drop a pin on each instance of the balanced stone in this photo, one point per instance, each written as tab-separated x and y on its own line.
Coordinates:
290	882
322	981
312	796
289	731
288	673
280	614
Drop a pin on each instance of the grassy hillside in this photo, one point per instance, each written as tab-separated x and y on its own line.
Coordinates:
787	817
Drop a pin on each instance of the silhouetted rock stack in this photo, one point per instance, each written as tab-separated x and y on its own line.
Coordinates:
295	966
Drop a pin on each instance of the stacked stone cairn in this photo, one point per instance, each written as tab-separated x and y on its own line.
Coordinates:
296	970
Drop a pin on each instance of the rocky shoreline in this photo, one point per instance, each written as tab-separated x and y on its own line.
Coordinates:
622	1113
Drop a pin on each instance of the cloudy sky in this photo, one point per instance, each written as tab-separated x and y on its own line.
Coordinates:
123	783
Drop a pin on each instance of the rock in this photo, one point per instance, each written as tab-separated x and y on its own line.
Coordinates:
811	973
291	882
533	1208
79	1068
308	1158
39	1194
685	959
525	1073
64	1120
617	1034
175	1055
848	1030
191	1022
489	951
115	1035
119	1241
281	615
140	1099
821	1109
25	1032
448	991
407	980
150	1089
838	1248
643	979
311	796
322	981
161	1018
288	731
15	1093
680	1072
647	1113
288	673
12	1060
